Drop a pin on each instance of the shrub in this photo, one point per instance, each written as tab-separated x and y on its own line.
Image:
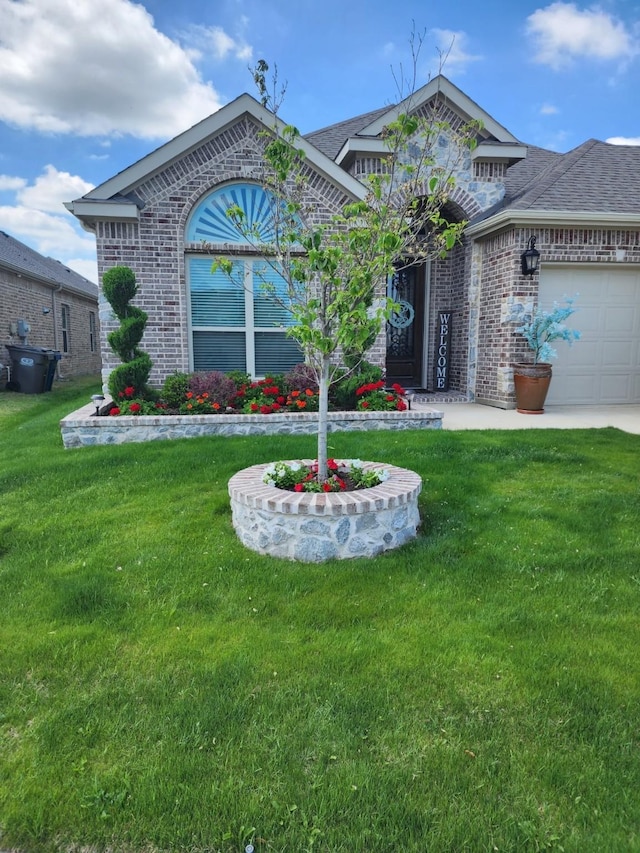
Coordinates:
119	287
218	387
343	392
301	377
175	389
239	377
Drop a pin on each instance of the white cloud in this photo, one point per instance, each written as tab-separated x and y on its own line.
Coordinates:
51	189
562	32
39	218
623	140
88	269
549	110
220	44
69	66
8	182
452	52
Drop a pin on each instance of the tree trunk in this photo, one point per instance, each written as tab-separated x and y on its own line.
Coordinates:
323	409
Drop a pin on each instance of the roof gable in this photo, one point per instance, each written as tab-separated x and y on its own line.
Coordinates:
454	98
117	187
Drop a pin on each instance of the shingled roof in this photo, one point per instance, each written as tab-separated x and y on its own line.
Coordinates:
17	257
595	176
330	139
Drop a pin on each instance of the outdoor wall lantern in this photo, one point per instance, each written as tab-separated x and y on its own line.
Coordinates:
530	258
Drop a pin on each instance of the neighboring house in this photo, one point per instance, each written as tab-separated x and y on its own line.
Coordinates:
164	216
59	307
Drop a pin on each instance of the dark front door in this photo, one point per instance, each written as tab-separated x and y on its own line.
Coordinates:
405	329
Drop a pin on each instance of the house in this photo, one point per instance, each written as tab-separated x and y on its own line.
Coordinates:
45	304
164	216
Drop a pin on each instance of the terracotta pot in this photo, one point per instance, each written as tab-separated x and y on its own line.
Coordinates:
532	383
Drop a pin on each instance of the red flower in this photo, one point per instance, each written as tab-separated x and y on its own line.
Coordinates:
309	392
301	404
298	487
364	404
282	400
295	393
398	389
332	465
135	407
401	405
390	397
115	411
215	406
189	395
341	483
254	407
129	391
266	410
326	487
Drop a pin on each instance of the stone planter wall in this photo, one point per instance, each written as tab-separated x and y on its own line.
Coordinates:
82	428
317	527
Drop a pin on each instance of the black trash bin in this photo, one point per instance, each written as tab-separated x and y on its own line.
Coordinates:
54	357
29	368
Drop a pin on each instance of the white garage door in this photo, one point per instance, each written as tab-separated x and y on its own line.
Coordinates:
603	367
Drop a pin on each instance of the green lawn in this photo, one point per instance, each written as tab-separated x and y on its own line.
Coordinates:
161	688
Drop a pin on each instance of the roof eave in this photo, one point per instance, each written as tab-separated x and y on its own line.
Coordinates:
23	272
87	209
507	152
359	145
555	218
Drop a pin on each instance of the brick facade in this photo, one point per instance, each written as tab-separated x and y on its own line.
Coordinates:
155	248
25	298
503	292
480	281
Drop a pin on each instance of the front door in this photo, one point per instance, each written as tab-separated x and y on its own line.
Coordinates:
405	329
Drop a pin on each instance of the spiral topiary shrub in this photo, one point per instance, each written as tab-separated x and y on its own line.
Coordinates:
119	287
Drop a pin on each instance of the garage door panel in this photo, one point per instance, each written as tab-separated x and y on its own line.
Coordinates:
614	387
619	354
604	365
620	320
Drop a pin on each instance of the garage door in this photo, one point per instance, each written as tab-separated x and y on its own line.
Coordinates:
604	366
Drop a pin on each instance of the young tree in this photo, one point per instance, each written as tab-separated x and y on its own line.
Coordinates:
335	272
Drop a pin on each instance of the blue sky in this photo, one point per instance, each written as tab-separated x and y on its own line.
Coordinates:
88	88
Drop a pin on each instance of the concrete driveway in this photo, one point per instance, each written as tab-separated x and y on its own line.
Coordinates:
474	416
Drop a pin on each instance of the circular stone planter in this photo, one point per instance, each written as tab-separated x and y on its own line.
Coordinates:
312	527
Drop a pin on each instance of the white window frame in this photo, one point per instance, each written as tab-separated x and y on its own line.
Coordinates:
249	328
65	321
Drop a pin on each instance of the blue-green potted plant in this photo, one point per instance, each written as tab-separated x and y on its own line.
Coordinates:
532	379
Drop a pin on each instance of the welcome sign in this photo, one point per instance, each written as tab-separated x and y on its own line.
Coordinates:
443	353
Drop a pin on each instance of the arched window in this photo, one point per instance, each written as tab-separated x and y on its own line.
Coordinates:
236	323
210	223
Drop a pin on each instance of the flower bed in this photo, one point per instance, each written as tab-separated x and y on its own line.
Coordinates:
313	527
82	428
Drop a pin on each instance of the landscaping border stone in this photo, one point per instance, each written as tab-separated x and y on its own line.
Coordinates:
83	428
314	527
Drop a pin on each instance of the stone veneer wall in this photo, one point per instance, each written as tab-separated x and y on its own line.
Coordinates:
83	429
317	527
